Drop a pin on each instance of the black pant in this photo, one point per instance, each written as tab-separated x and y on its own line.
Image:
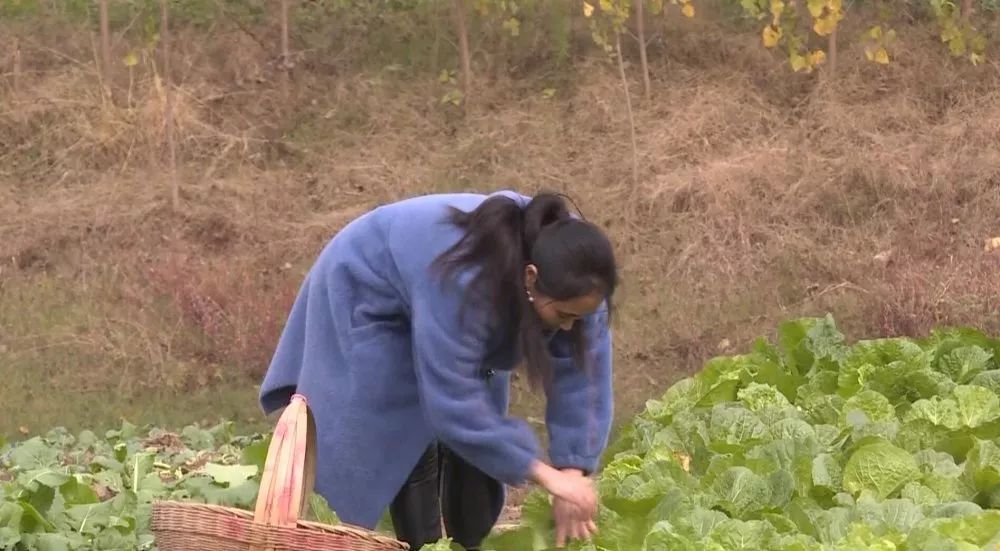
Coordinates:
443	484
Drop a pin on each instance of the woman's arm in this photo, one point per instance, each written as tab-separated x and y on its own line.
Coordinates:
448	353
581	402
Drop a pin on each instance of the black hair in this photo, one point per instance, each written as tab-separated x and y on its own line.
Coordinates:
574	258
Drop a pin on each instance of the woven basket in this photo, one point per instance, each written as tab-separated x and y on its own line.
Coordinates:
275	524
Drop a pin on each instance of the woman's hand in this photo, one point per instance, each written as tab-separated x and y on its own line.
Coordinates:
568	523
575	503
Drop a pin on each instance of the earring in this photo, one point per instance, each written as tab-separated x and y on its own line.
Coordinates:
530	298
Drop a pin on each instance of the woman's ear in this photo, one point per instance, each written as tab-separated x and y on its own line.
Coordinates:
530	276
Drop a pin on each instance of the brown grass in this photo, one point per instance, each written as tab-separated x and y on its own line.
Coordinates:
763	196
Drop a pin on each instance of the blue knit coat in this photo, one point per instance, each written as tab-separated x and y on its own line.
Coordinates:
375	343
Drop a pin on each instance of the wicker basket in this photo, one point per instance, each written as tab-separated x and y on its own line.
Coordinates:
275	525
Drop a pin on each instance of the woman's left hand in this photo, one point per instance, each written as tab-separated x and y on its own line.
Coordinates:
570	522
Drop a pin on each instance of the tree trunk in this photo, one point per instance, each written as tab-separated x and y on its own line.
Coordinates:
168	110
286	62
436	48
640	23
463	49
106	70
628	107
16	85
832	54
967	8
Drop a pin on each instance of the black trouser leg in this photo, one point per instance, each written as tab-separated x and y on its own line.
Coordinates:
468	498
416	510
443	482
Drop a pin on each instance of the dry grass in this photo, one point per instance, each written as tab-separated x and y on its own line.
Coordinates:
762	196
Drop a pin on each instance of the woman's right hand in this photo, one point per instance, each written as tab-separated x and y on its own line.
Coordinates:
574	489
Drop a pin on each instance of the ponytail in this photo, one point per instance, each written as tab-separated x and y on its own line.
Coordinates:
501	239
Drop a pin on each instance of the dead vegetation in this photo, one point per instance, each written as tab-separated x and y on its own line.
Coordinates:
763	195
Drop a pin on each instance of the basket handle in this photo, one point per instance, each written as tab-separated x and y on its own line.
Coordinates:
290	468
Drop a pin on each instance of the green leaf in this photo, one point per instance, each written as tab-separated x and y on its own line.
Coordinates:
976	405
827	472
988	379
321	511
720	380
759	397
10	515
33	520
9	537
197	438
881	468
664	536
983	466
230	475
33	454
51	542
256	454
964	363
734	428
736	534
919	494
443	544
806	341
942	412
740	491
75	492
955	509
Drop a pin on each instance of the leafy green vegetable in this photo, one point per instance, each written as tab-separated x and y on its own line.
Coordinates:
810	444
65	492
881	468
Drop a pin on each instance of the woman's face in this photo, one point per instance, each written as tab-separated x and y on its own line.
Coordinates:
559	314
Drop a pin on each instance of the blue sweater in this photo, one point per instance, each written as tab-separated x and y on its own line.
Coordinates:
375	343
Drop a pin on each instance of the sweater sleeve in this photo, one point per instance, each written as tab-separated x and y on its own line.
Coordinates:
448	355
580	402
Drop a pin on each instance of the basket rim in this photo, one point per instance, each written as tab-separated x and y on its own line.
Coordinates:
348	530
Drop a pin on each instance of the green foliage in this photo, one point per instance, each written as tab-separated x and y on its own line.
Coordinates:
959	32
65	491
808	444
419	34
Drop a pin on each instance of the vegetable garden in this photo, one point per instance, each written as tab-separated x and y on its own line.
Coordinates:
809	443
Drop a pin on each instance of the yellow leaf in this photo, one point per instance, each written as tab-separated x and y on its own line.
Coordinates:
798	62
513	26
978	43
131	60
588	10
771	36
875	32
882	56
777	7
684	459
688	10
957	45
817	58
975	58
825	25
993	244
816	7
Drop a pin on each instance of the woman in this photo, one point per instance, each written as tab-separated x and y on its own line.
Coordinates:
403	338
